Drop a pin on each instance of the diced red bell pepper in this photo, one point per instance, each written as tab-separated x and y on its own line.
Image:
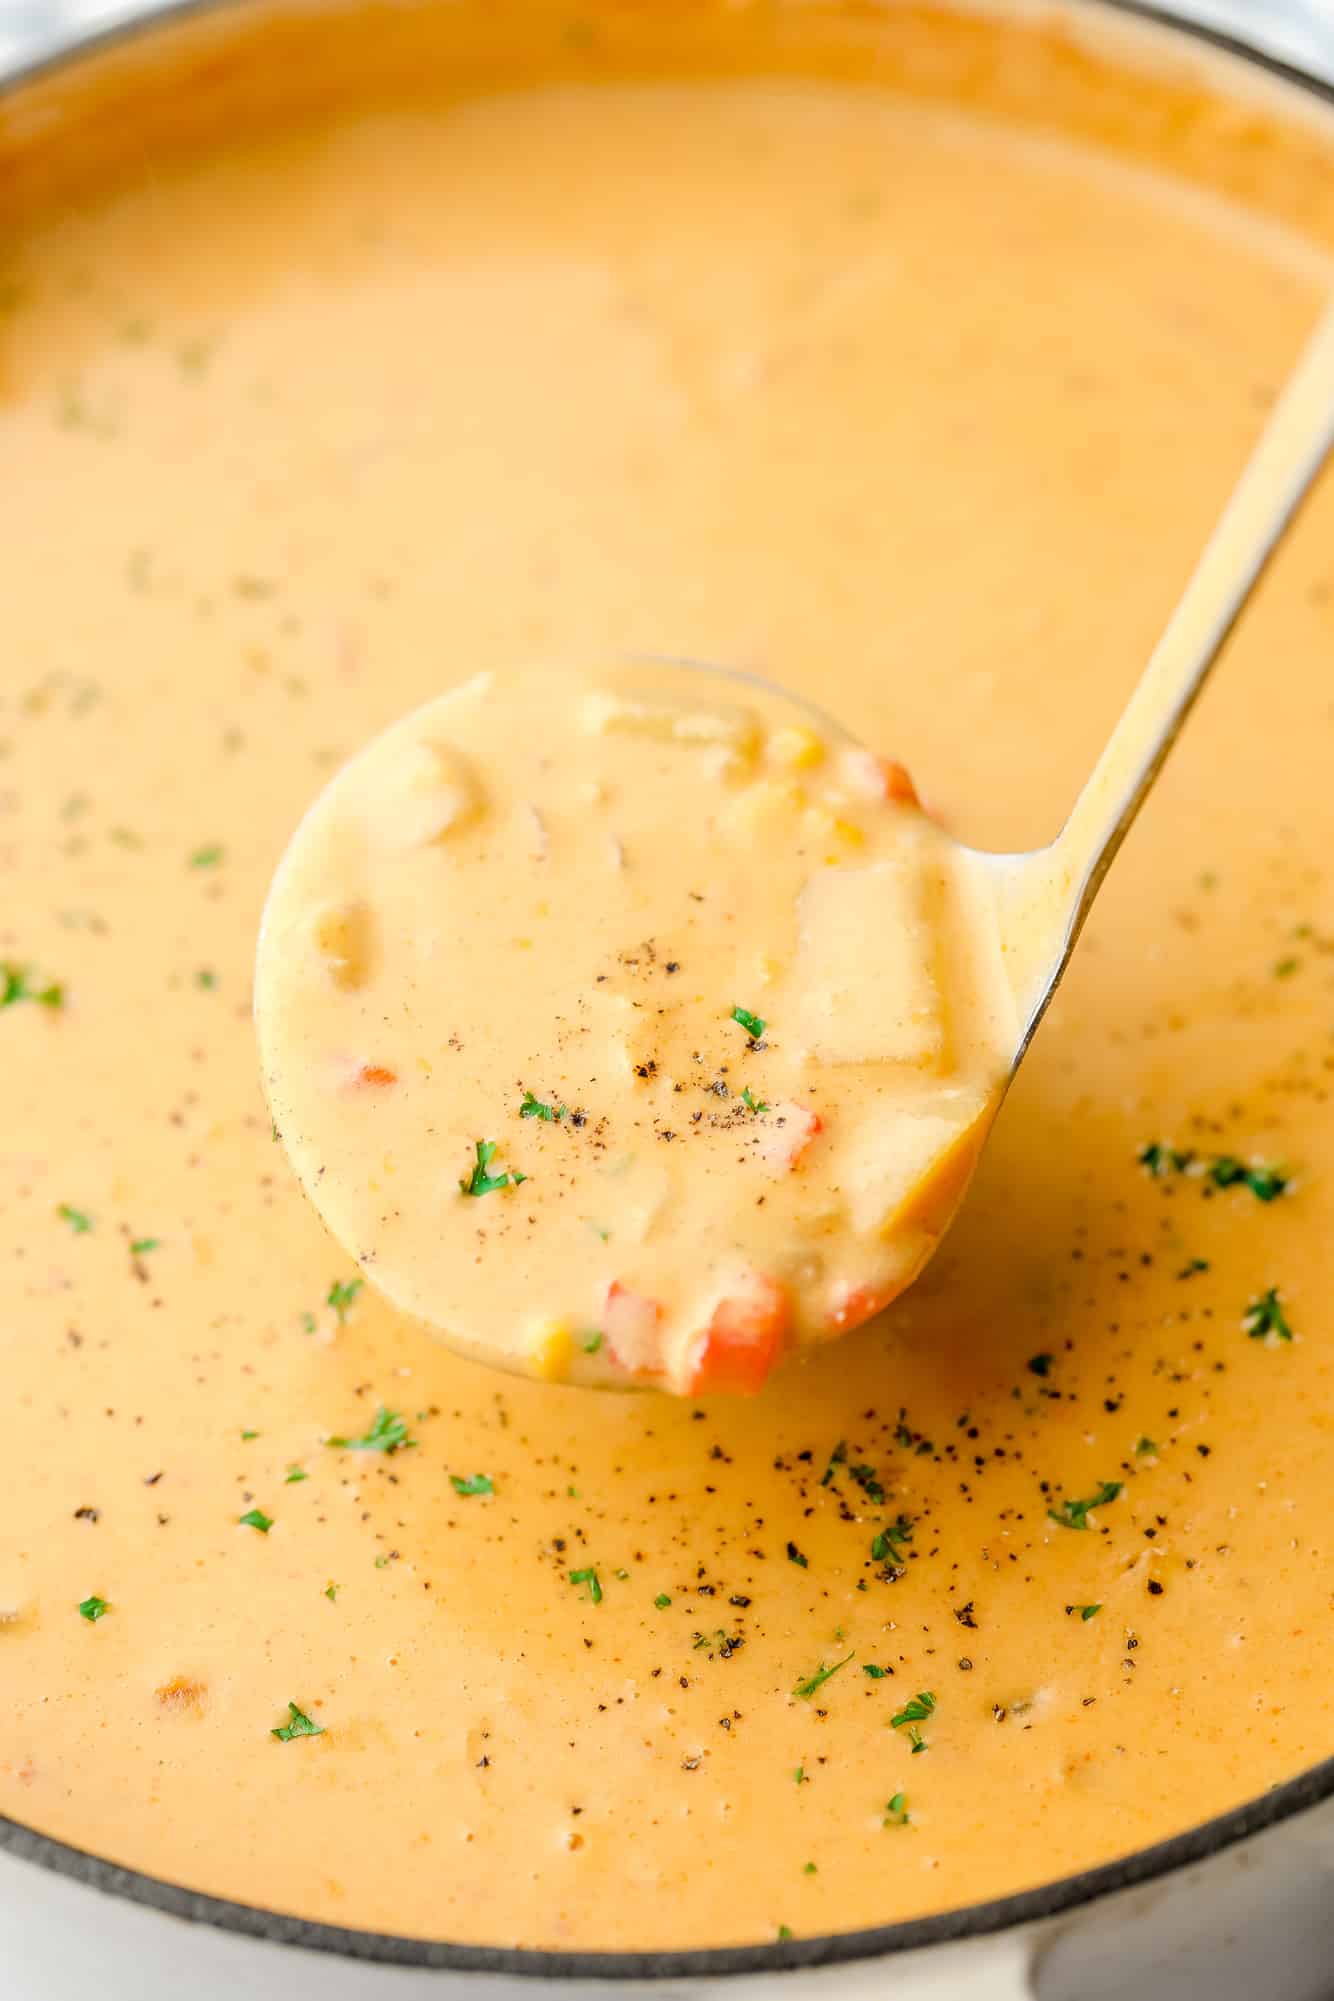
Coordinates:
743	1341
787	1132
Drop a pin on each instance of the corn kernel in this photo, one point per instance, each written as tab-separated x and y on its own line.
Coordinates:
799	749
552	1351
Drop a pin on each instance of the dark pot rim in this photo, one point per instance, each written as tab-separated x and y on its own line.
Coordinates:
973	1921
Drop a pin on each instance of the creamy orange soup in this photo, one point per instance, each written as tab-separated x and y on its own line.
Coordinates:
906	360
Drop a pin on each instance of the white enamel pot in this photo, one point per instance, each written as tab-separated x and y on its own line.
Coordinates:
1240	1908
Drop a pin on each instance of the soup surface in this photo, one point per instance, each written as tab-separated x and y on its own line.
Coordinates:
906	362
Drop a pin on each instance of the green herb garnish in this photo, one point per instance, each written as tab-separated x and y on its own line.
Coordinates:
78	1219
1086	1612
298	1724
916	1710
1162	1160
1074	1514
206	978
141	1246
662	1601
1040	1365
753	1024
480	1483
293	1474
885	1545
794	1555
1265	1316
479	1182
590	1578
331	1592
388	1433
16	984
1265	1183
836	1459
752	1103
207	857
533	1108
807	1688
341	1295
590	1343
1143	1447
896	1811
866	1479
93	1609
876	1673
255	1518
799	1776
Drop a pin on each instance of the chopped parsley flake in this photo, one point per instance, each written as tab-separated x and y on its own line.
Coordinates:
93	1609
590	1578
836	1459
141	1246
918	1709
388	1433
1086	1612
794	1555
1265	1183
800	1776
752	1103
533	1108
1074	1514
885	1544
206	978
1285	968
876	1673
479	1483
479	1182
293	1474
78	1219
1040	1365
331	1592
807	1688
298	1724
1224	1170
808	1868
1143	1447
17	984
255	1518
784	1931
341	1295
207	857
662	1601
590	1343
753	1024
896	1811
308	1323
1265	1316
866	1479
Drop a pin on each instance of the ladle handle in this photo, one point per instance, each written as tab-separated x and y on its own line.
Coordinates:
1291	450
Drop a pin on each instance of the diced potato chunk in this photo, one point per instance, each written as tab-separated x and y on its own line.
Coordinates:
725	727
767	808
867	990
913	1163
345	940
430	793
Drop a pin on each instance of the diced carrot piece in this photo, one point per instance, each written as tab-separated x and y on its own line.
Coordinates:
787	1131
879	777
742	1342
630	1323
376	1073
857	1304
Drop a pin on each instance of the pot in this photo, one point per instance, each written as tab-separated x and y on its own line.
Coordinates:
1240	1906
